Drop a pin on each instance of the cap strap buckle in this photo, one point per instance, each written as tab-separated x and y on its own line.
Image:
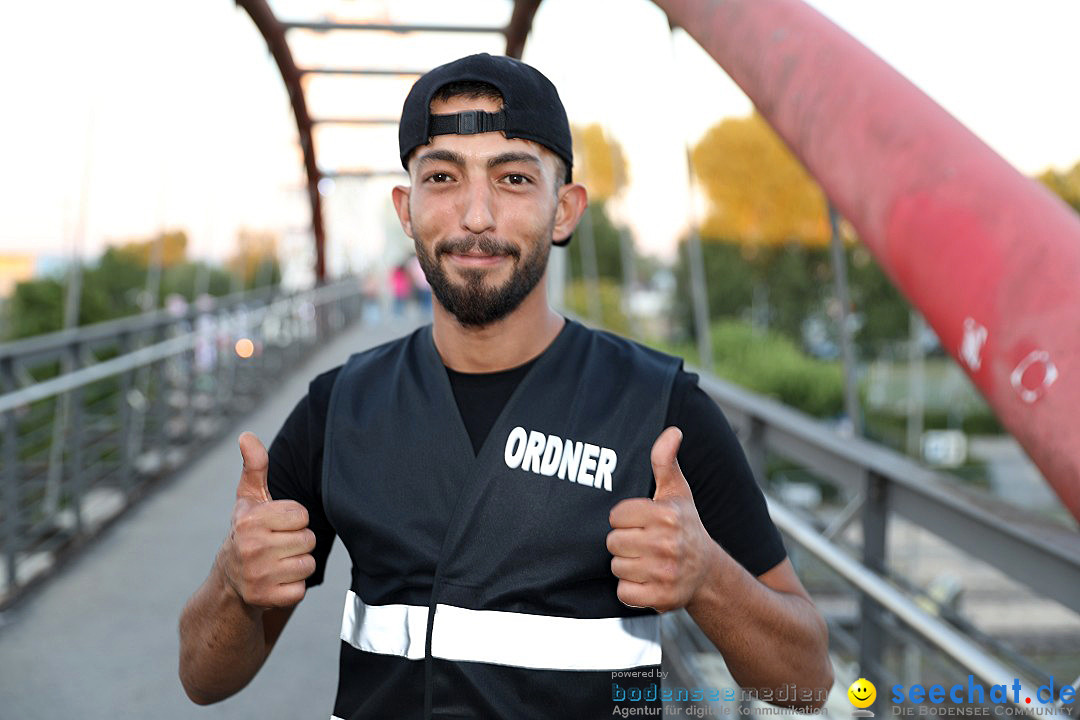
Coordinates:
469	122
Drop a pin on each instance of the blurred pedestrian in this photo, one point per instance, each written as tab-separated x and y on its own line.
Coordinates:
401	288
421	288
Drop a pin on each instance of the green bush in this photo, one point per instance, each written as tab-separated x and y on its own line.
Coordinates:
772	364
890	428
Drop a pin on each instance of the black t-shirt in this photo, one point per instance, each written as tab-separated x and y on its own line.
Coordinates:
730	504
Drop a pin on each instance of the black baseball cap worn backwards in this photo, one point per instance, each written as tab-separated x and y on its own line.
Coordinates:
531	107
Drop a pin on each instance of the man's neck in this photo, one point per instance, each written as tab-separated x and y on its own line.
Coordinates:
512	341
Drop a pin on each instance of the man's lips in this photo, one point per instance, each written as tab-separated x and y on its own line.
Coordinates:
473	260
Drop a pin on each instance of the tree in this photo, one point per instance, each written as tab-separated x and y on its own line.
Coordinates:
765	240
120	276
757	191
144	252
793	283
885	312
1066	185
729	282
36	306
184	279
110	287
255	259
601	165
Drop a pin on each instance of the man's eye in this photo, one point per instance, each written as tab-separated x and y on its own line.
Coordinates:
438	177
516	179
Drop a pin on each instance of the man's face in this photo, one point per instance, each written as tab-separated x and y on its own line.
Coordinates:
481	212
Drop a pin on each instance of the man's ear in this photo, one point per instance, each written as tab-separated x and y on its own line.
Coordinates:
400	196
573	199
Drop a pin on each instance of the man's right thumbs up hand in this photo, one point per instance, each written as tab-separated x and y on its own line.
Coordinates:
267	556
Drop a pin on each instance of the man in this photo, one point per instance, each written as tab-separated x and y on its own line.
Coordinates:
514	509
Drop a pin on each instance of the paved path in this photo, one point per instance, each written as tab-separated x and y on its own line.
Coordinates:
99	640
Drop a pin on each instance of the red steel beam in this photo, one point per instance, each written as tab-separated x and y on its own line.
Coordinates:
517	30
318	26
990	257
273	32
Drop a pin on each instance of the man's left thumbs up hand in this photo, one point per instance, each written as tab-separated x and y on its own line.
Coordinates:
662	553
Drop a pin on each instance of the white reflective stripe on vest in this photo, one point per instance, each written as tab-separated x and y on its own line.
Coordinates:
384	629
539	642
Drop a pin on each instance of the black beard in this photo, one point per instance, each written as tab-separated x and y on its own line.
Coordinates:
474	304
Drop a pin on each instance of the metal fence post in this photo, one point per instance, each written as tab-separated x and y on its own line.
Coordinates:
695	260
127	477
755	450
629	273
160	406
188	367
226	371
10	476
590	273
847	346
874	529
77	432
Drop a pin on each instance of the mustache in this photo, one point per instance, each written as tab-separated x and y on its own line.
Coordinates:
485	244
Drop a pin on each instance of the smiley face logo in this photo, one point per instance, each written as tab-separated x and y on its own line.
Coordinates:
862	693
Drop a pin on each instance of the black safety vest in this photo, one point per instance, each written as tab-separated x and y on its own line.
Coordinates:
481	583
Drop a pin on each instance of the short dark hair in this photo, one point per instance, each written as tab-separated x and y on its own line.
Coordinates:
479	90
471	89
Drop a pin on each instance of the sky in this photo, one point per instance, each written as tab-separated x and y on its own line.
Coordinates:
122	117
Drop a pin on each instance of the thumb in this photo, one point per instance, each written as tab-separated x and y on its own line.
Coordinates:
253	477
665	465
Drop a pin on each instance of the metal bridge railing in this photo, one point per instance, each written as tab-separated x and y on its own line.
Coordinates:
90	416
892	634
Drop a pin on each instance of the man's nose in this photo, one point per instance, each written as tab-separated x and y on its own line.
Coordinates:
478	216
